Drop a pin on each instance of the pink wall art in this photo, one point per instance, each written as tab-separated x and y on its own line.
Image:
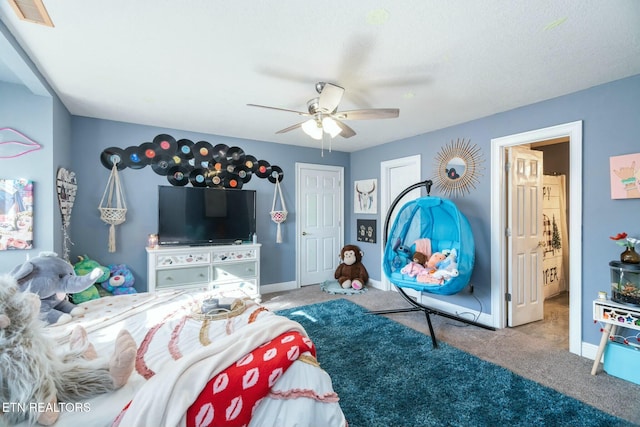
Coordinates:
625	176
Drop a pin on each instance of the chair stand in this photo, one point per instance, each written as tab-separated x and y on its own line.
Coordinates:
428	311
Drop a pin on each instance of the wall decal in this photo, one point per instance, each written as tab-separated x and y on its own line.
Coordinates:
200	164
14	144
16	214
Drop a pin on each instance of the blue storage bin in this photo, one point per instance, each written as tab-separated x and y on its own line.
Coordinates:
622	361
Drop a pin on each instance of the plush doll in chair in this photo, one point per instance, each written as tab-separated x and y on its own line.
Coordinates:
52	278
38	374
351	273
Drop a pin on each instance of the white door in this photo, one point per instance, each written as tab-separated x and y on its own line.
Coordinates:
319	224
395	176
525	302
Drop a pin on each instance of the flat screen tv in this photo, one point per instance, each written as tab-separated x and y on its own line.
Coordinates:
205	216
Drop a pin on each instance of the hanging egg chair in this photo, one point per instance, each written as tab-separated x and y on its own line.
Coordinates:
434	227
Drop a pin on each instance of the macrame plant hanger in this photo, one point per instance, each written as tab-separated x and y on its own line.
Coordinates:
278	216
113	208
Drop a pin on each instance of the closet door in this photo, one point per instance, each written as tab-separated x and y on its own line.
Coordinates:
525	302
319	222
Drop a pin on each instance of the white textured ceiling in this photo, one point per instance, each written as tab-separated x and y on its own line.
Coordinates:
195	64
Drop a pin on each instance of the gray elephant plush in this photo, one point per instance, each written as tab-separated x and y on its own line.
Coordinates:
52	278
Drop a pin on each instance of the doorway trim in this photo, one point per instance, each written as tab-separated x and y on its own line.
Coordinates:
572	130
414	163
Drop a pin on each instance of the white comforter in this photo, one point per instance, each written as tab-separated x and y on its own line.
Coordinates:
301	397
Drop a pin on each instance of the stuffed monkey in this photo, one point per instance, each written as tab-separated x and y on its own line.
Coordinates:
351	273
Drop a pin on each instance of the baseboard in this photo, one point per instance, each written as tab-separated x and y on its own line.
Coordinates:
375	284
278	287
589	351
457	310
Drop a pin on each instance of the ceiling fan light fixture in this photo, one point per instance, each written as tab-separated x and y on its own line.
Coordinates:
311	128
331	127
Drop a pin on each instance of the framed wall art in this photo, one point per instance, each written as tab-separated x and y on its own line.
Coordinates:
16	214
365	194
366	230
625	176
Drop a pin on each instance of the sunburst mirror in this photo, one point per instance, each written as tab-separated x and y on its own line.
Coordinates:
458	167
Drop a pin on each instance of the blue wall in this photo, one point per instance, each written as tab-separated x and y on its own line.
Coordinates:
30	115
89	234
32	108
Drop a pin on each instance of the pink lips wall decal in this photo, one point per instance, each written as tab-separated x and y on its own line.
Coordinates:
14	144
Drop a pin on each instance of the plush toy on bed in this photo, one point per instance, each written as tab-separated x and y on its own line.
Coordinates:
121	280
52	278
84	266
351	273
37	374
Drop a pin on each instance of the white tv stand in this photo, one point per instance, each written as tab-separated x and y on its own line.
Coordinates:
223	267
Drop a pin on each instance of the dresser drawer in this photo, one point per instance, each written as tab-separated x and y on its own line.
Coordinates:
186	258
236	270
181	276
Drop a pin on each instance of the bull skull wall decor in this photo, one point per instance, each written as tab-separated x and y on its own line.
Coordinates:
366	196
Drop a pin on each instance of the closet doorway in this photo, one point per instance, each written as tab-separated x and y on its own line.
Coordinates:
551	142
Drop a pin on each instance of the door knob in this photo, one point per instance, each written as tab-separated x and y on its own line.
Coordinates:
542	244
304	233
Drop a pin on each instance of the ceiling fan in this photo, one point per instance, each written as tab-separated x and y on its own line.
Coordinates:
324	116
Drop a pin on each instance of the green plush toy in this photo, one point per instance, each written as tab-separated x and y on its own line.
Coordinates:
84	266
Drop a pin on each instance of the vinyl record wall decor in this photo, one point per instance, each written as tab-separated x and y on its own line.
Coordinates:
185	162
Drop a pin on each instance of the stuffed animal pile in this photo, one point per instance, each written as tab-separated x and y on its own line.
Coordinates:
423	265
36	375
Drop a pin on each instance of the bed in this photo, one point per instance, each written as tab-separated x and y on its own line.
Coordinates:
184	358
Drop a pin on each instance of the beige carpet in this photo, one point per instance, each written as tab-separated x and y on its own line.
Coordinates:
523	350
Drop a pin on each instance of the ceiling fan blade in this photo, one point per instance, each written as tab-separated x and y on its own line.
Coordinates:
330	97
290	128
301	113
369	114
346	132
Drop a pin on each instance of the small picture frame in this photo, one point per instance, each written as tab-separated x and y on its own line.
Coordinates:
625	176
365	196
16	214
366	230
